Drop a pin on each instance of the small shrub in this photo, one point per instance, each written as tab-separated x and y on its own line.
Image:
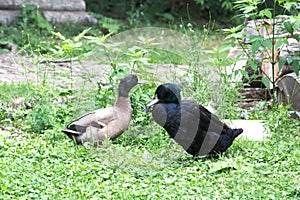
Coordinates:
49	109
279	121
33	27
42	108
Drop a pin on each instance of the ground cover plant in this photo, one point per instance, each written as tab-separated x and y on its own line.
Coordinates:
149	165
38	161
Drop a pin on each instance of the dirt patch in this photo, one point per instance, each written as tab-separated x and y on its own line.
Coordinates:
18	68
11	69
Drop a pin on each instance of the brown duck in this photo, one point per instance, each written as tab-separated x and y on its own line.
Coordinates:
106	122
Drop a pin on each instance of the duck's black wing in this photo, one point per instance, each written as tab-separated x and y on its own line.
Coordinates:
203	127
213	136
168	116
187	123
193	127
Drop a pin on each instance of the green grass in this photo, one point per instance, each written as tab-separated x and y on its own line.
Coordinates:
143	163
50	166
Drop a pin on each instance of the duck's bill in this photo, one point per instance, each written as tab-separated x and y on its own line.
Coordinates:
150	104
147	109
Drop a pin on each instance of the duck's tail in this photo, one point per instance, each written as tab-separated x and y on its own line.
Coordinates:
74	130
236	132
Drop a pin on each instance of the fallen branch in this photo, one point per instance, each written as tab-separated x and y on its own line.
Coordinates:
60	60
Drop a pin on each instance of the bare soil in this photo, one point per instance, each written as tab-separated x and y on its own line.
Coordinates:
19	68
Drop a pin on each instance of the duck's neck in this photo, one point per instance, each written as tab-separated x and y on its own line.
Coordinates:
123	102
123	92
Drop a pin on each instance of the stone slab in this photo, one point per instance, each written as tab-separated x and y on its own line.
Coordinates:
57	17
253	129
62	17
58	5
7	16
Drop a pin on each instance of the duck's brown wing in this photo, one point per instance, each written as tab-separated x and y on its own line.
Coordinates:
96	119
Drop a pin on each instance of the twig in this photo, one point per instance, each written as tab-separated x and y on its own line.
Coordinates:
60	61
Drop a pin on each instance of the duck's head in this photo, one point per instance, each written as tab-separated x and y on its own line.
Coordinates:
165	93
126	84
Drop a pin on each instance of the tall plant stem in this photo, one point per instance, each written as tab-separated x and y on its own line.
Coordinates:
273	62
71	71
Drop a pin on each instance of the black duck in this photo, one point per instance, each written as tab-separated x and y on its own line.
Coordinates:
191	125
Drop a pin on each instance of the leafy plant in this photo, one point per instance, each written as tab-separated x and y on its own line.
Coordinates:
279	120
48	109
70	48
221	8
39	108
33	27
140	97
106	92
268	44
224	93
34	34
110	24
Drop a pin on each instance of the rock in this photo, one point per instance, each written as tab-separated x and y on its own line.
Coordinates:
288	88
61	17
7	16
57	5
56	11
255	93
18	101
9	46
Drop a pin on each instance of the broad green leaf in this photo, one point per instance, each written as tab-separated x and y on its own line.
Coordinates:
235	36
296	25
266	82
280	42
255	46
288	27
231	36
282	61
168	16
252	65
249	9
295	66
265	13
256	37
233	29
297	37
289	60
244	73
81	35
267	43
